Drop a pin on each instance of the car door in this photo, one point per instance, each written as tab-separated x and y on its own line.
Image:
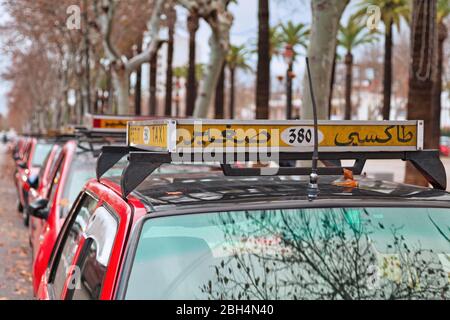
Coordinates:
38	225
52	283
91	261
87	256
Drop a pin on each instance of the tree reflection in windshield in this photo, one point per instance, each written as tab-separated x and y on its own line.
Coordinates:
324	254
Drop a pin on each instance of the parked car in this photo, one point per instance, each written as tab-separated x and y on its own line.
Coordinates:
239	234
28	167
71	169
444	146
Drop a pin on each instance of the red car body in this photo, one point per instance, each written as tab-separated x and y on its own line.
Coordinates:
445	150
127	213
24	170
72	168
43	233
45	181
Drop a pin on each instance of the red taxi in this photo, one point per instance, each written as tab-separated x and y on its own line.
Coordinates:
182	233
28	168
67	169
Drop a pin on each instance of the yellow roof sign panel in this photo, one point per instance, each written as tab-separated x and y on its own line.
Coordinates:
283	136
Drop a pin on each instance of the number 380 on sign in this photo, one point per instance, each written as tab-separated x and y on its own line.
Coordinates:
300	136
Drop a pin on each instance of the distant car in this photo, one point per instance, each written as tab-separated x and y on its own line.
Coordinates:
71	169
5	138
28	167
444	146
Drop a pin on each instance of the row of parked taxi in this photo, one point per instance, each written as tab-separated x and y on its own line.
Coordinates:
50	173
113	214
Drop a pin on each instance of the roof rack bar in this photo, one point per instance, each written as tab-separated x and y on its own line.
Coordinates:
109	157
143	163
229	170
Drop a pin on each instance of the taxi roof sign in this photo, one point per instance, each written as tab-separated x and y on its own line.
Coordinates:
102	123
153	143
283	136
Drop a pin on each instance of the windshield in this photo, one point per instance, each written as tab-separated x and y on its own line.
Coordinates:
372	253
40	154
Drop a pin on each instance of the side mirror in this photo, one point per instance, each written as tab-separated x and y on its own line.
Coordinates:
33	182
39	209
23	165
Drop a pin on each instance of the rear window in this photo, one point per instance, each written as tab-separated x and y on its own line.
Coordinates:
81	171
365	253
40	154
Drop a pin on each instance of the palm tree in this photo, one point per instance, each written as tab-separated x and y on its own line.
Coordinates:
178	73
293	36
236	59
420	96
171	20
276	42
263	69
219	99
138	85
153	101
352	35
191	85
392	12
443	11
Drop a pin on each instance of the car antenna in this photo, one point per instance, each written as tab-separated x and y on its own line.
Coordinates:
313	187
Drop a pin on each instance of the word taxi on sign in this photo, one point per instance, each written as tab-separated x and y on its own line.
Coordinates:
282	136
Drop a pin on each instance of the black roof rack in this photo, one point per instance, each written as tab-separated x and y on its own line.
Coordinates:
143	163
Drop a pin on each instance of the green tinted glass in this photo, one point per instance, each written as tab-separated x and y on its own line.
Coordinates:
372	253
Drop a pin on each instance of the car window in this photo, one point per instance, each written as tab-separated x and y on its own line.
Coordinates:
27	151
354	253
49	166
81	170
40	154
69	245
56	179
94	258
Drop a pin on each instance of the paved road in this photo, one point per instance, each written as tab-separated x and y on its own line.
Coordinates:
15	261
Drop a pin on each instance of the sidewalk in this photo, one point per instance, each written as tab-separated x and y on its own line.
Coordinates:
15	260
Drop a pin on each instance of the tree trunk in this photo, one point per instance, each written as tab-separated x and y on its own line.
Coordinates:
177	97
153	101
387	80
109	85
333	76
219	99
171	16
232	93
217	58
87	58
348	85
121	84
420	98
191	84
263	69
321	51
289	76
138	92
437	86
